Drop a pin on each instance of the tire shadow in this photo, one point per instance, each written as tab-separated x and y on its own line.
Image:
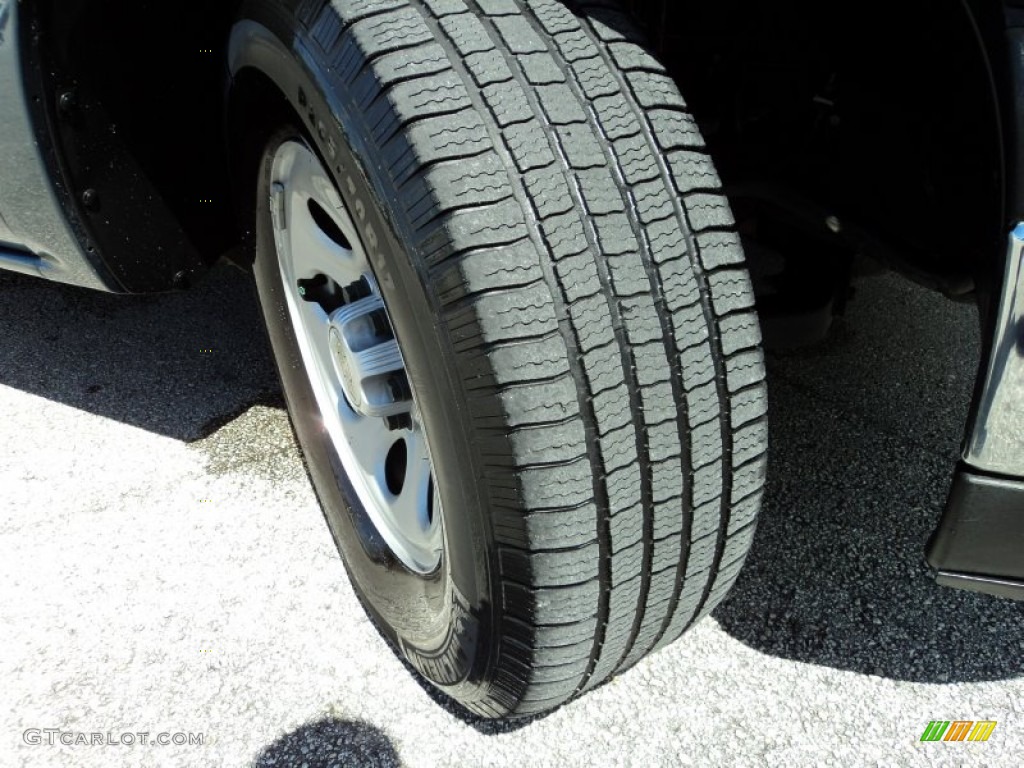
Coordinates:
865	432
331	743
178	364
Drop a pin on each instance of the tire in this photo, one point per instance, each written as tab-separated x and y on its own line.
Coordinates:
568	290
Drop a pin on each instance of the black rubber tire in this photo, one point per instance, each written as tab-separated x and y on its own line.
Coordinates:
564	276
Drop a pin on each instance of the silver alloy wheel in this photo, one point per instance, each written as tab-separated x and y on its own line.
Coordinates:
352	357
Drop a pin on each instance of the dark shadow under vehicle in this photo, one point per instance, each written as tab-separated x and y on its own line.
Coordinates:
179	365
864	430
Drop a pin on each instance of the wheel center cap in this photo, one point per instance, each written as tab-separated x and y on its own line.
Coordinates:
343	365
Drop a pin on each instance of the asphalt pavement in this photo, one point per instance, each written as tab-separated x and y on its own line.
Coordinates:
165	569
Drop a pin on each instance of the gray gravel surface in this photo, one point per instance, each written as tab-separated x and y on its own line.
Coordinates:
164	566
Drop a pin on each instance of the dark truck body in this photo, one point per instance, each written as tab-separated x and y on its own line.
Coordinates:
892	133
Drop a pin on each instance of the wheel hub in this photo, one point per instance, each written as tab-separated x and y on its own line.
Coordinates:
344	368
366	356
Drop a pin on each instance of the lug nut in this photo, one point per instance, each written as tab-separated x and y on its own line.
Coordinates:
91	199
399	388
400	422
381	325
67	103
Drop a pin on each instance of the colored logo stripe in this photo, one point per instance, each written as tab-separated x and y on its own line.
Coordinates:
982	730
958	730
935	730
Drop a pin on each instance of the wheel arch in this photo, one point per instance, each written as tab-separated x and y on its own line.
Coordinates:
129	103
252	96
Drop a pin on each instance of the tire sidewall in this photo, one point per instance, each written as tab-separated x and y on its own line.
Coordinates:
439	622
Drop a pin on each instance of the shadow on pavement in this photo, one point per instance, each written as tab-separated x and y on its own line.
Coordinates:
179	365
331	743
864	428
865	432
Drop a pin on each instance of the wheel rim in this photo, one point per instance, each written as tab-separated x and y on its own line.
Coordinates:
352	357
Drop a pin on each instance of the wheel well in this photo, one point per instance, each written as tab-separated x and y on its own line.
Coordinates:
255	108
152	75
883	115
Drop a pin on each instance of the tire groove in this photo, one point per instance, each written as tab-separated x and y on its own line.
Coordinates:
604	575
629	360
561	309
667	176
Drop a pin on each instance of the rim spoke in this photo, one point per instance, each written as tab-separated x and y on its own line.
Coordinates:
315	324
313	252
370	440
